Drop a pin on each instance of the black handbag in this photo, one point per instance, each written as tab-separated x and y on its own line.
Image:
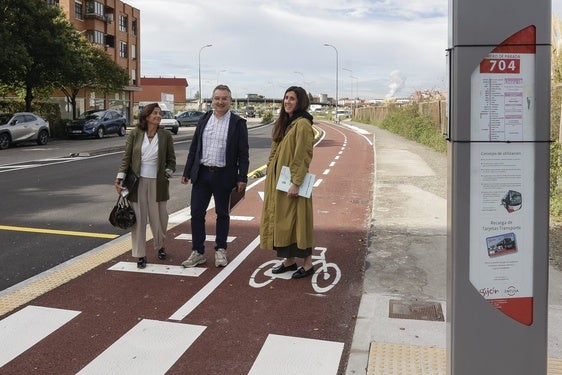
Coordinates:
122	215
131	180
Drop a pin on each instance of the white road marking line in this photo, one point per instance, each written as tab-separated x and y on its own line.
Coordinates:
180	216
284	355
209	238
332	164
241	218
317	183
161	269
262	195
326	171
337	157
210	287
150	347
25	328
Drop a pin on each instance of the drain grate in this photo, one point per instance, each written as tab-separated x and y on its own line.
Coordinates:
415	310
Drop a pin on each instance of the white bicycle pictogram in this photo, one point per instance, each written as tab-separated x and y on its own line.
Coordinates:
330	273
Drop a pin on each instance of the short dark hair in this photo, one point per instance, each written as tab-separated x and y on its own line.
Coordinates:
144	113
223	88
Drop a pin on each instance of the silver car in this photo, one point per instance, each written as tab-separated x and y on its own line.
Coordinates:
22	127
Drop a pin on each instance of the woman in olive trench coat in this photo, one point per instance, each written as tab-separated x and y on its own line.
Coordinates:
287	220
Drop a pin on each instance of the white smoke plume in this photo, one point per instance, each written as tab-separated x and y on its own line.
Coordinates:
396	83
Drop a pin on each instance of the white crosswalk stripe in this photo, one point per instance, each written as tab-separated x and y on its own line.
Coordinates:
25	328
151	347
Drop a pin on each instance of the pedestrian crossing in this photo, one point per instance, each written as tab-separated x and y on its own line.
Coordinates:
22	330
150	347
153	347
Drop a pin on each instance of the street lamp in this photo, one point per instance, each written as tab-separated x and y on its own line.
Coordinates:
302	75
350	75
200	94
337	68
356	93
219	73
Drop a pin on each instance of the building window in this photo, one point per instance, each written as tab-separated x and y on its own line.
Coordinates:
94	7
133	51
123	49
53	2
134	27
123	20
95	36
134	76
78	10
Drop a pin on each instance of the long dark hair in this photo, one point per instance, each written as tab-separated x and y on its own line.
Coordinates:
145	112
283	121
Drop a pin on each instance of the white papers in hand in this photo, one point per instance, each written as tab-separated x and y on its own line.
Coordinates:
284	182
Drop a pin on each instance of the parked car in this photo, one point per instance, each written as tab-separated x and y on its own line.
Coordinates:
23	127
250	111
189	118
169	122
97	123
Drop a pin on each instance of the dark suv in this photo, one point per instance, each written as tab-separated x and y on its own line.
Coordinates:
250	111
98	123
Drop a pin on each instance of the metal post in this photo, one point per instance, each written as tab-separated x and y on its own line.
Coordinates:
200	93
498	188
337	69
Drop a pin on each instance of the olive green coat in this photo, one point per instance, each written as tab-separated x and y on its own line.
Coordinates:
166	160
286	221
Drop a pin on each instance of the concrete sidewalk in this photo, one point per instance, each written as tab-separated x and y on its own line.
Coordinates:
406	261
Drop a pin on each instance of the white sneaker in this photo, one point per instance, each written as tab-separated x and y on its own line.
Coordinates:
220	258
194	259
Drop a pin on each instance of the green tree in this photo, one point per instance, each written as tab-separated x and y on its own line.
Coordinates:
87	65
34	36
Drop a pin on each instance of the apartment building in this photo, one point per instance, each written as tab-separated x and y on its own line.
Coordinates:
114	26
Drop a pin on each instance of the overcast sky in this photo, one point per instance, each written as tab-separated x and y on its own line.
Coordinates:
385	48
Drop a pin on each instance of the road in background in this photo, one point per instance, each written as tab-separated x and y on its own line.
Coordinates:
57	198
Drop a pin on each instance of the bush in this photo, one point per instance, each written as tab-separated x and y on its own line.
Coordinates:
409	123
267	117
555	179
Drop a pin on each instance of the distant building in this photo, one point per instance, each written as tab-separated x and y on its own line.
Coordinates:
168	90
114	26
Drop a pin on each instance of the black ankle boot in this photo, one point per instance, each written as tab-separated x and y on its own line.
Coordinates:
141	263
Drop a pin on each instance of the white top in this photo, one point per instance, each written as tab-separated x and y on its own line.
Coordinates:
149	157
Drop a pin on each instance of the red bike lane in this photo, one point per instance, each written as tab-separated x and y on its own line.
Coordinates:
240	319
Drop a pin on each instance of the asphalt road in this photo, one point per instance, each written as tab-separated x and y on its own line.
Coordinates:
56	198
240	319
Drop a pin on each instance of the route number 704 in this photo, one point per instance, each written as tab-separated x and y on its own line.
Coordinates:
506	66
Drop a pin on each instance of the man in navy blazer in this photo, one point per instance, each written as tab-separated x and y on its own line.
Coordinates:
217	163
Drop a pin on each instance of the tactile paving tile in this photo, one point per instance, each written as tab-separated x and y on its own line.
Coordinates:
62	275
397	359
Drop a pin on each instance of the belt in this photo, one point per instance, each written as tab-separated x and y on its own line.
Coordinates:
213	169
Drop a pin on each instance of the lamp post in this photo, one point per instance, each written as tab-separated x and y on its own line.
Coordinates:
302	75
337	68
219	73
200	94
356	93
350	76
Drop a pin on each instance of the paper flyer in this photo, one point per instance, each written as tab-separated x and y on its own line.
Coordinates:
305	190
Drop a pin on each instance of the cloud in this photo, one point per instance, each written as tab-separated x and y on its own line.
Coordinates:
262	43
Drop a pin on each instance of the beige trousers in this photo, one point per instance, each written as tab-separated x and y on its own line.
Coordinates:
147	209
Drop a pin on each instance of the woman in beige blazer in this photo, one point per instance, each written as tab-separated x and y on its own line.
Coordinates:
149	152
